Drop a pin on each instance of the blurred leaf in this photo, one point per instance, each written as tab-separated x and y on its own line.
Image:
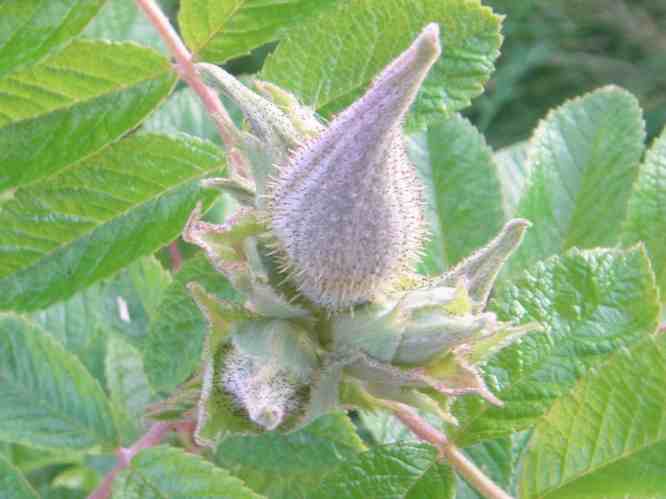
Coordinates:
13	484
74	103
385	428
183	112
583	161
77	478
513	168
401	471
176	336
47	398
163	472
607	438
291	466
30	29
65	233
592	303
219	30
326	62
494	458
30	460
646	218
128	385
121	304
121	20
468	198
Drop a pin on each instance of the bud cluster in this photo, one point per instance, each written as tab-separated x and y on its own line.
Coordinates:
322	251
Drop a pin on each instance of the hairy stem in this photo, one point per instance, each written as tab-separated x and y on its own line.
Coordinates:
454	456
187	72
152	437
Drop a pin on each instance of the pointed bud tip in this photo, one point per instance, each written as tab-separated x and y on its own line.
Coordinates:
428	41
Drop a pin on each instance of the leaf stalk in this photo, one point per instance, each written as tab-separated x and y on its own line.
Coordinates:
454	456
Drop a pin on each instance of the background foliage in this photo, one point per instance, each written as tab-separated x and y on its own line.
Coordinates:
101	153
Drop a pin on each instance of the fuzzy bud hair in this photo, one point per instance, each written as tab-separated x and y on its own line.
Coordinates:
347	208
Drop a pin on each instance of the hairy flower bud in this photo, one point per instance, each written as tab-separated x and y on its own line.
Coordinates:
347	208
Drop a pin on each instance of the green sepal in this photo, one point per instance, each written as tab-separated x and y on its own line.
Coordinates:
303	118
480	350
413	328
453	375
480	270
273	134
222	243
242	189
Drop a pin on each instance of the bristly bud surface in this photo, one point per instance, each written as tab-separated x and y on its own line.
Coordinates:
347	208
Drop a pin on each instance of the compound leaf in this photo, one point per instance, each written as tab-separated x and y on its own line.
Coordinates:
583	159
646	218
74	103
62	235
163	472
326	62
13	484
30	29
176	335
47	398
219	30
291	466
607	438
468	197
400	471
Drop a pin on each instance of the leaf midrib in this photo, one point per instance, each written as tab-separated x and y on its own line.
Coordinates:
117	216
122	88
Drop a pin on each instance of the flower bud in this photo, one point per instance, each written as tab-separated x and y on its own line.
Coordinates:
347	207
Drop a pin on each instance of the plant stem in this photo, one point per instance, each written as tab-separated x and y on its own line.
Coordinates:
456	459
188	73
152	437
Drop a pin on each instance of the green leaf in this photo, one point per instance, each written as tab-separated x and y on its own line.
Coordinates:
646	218
77	479
62	235
401	471
583	160
384	428
219	30
467	191
176	336
326	62
128	385
183	112
47	398
121	304
513	169
607	438
13	484
163	472
30	29
75	102
291	466
121	20
494	458
591	303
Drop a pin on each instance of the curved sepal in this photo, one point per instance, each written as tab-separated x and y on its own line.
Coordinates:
480	270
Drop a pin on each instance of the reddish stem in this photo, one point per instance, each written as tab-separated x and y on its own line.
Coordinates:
152	437
454	456
188	73
176	257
